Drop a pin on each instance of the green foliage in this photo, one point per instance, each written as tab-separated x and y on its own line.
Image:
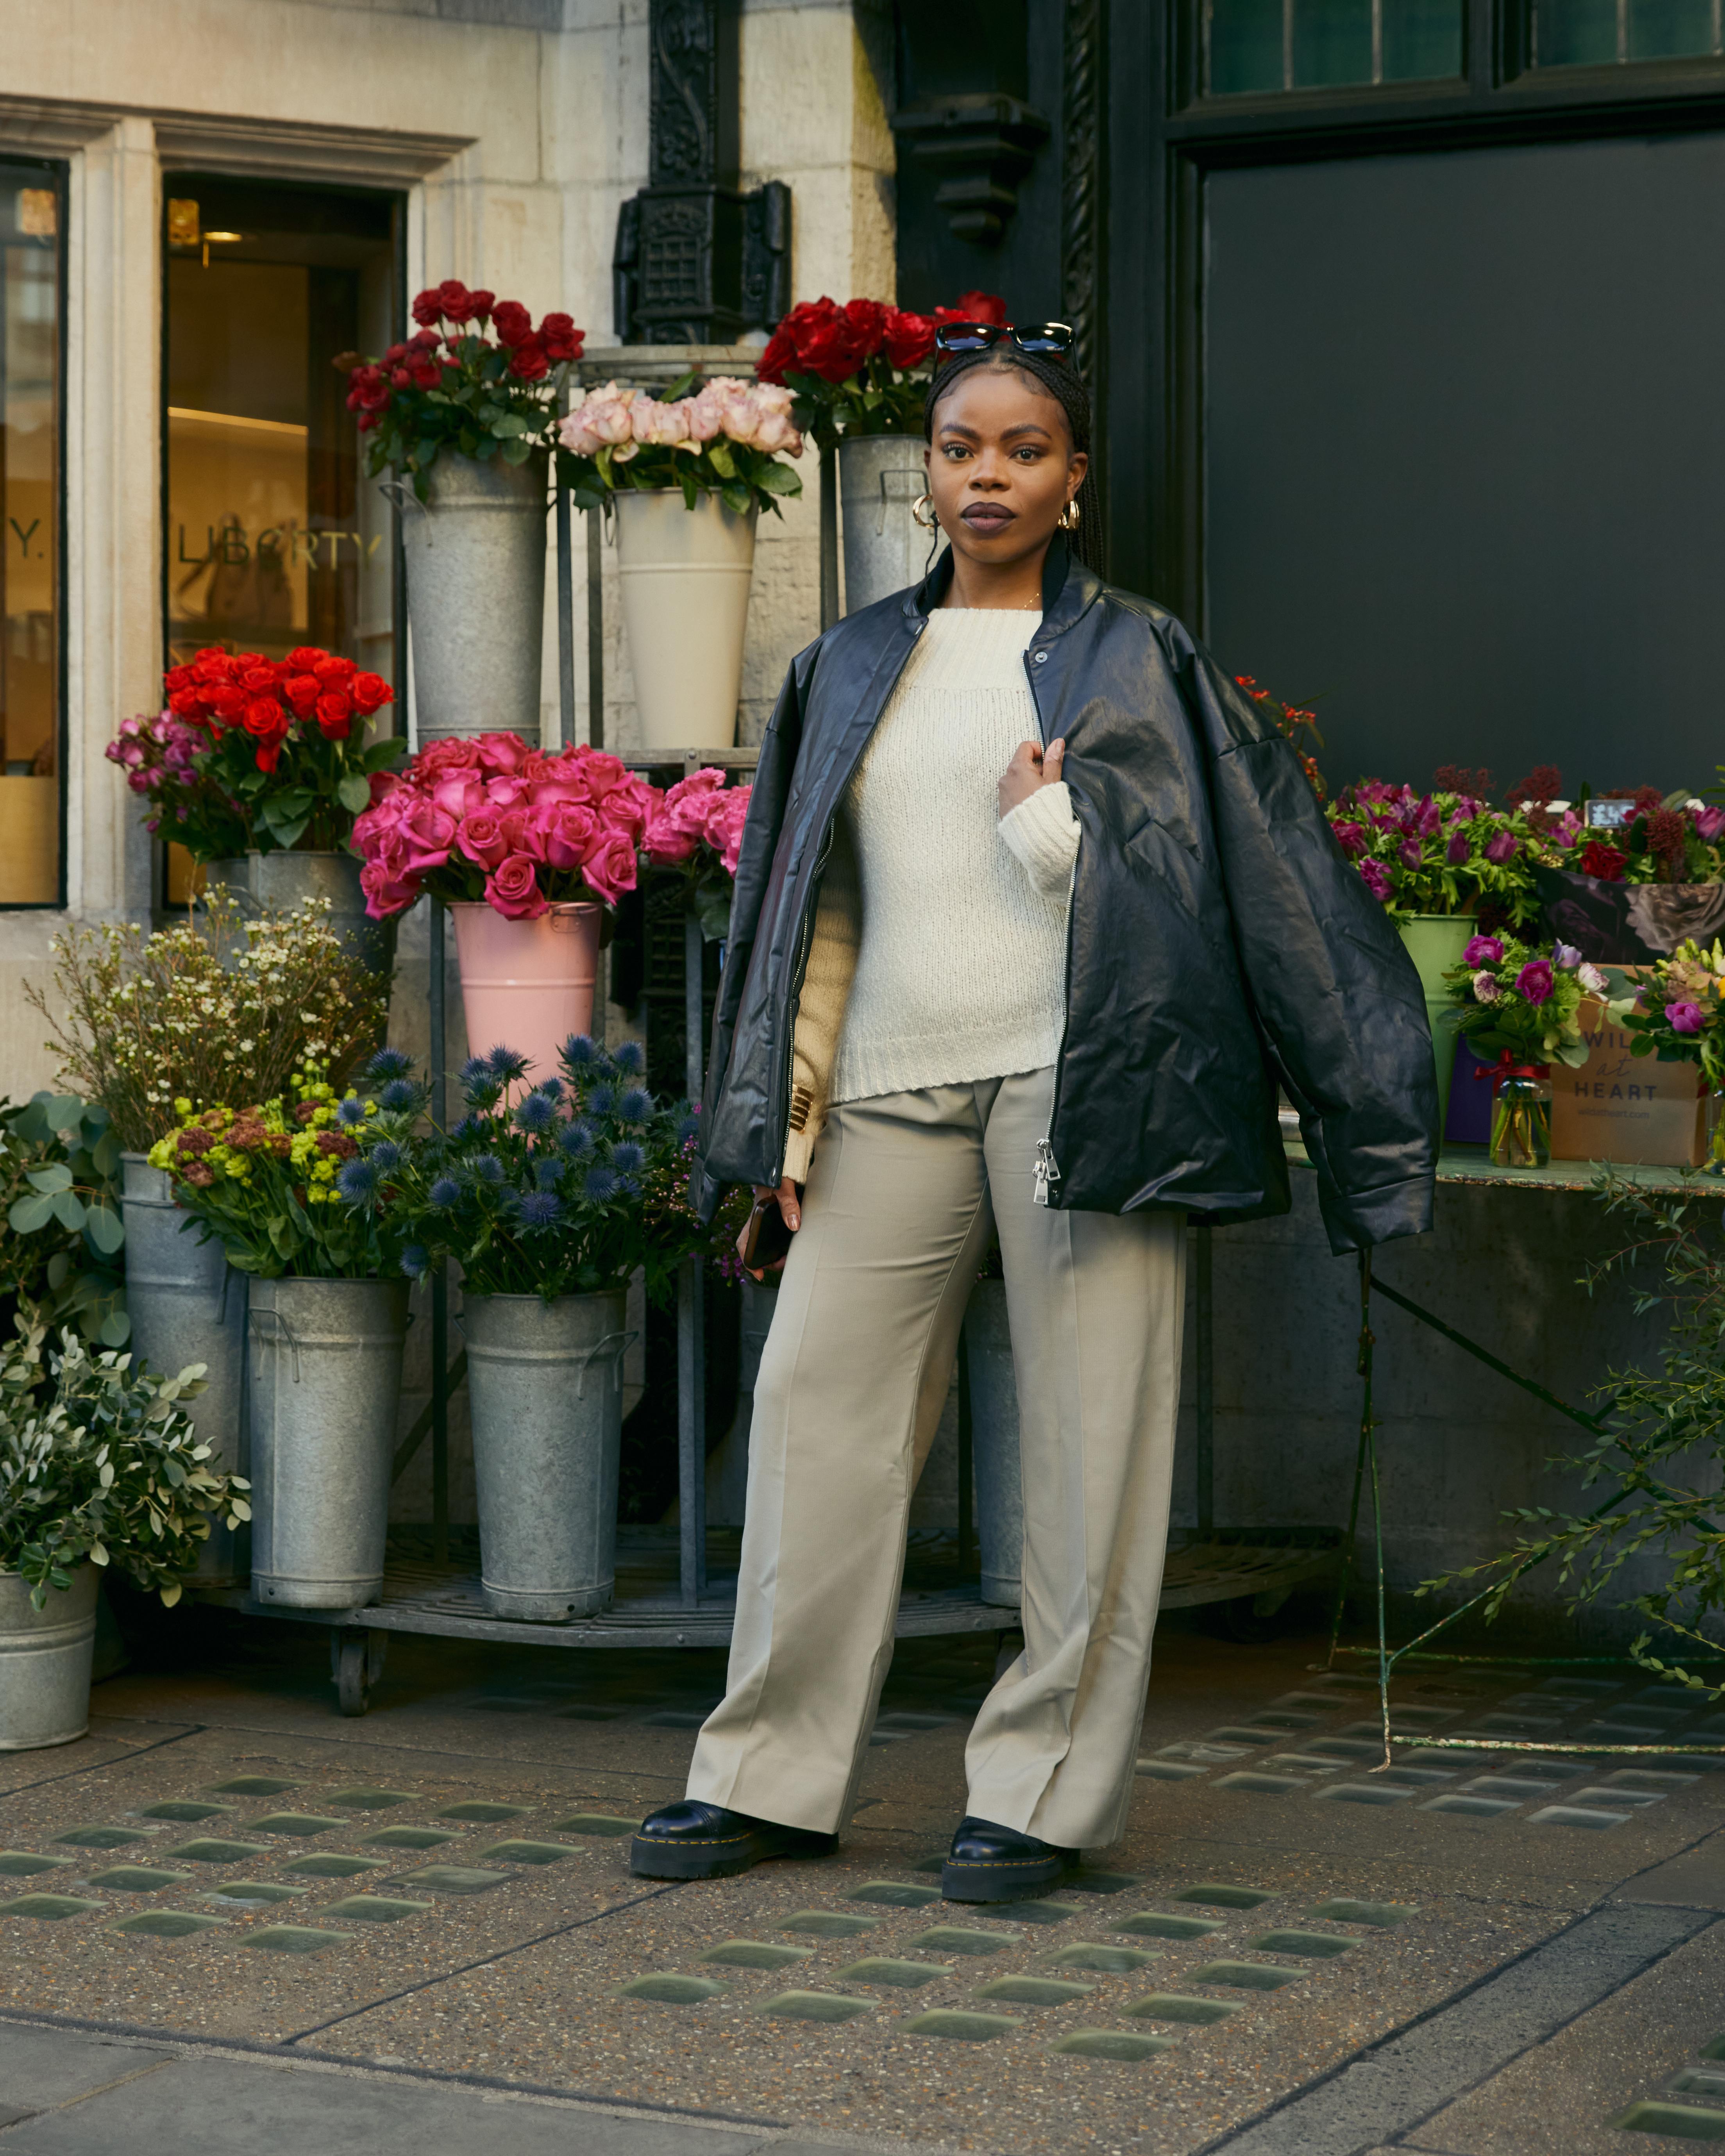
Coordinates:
99	1462
1659	1455
59	1200
1522	998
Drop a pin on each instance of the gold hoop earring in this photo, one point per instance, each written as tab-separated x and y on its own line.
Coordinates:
930	522
1069	516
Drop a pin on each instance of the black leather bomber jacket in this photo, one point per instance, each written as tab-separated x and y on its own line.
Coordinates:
1219	944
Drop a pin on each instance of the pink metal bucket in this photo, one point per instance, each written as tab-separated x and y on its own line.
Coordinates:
526	984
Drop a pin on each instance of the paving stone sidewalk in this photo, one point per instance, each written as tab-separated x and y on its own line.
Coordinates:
299	1928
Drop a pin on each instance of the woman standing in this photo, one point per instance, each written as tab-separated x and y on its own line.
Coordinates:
1033	917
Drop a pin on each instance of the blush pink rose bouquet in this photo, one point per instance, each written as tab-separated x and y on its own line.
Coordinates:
698	828
493	819
726	436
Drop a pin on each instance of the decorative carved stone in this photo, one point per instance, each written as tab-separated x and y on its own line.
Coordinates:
697	260
1081	191
985	142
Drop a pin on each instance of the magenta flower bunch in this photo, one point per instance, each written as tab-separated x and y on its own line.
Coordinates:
1677	1012
1441	852
1522	1000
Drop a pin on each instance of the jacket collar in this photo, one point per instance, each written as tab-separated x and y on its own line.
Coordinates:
1069	589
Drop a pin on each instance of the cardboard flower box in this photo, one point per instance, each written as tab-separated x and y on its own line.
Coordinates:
1623	1107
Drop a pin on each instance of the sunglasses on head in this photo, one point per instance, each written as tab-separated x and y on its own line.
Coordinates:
1044	340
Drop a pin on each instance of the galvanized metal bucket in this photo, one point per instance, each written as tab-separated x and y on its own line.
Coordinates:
476	559
545	1382
45	1657
880	477
326	1379
187	1305
284	880
994	1445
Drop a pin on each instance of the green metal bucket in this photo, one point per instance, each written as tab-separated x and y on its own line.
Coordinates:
1435	942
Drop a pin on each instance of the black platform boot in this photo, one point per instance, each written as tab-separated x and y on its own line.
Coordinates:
988	1863
696	1841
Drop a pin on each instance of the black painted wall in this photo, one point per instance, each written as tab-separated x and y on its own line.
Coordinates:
1465	453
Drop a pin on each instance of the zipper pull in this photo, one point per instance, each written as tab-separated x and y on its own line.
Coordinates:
1047	1171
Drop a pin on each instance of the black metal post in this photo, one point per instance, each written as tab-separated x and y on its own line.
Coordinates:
566	602
439	1281
967	1457
1205	1356
829	537
691	1313
595	629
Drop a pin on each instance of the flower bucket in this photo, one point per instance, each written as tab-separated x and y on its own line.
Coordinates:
187	1305
545	1381
326	1379
880	477
283	879
1435	941
684	576
526	984
45	1660
476	561
994	1445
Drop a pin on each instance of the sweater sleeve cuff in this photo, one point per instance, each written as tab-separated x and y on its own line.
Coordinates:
1043	832
798	1152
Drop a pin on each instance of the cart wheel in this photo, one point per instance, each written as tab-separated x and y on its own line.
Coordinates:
356	1663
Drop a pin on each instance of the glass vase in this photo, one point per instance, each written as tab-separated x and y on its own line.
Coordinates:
1714	1163
1521	1123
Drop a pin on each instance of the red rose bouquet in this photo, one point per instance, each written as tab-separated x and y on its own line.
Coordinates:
698	828
452	387
862	369
256	753
494	819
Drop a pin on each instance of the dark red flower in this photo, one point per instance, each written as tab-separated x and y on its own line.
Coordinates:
528	361
866	319
1605	862
510	321
781	353
301	691
428	308
455	301
482	303
909	339
334	715
370	692
973	307
561	340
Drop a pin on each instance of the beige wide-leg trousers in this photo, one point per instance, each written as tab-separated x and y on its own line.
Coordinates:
895	1219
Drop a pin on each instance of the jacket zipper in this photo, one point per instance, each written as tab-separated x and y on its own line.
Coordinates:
1047	1172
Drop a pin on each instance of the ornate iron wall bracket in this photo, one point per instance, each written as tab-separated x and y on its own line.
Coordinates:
698	260
985	141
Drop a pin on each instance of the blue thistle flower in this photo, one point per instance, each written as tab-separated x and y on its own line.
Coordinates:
386	1064
578	1051
627	1158
486	1168
688	1130
630	1056
636	1104
398	1094
416	1261
547	1169
350	1111
627	1186
357	1182
469	1128
475	1075
552	1088
602	1100
445	1193
385	1156
505	1067
535	1114
576	1139
601	1185
539	1209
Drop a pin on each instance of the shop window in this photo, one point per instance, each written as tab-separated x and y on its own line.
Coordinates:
31	284
274	536
1606	33
1259	45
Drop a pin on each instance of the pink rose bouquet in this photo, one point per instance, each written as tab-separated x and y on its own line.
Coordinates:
698	828
725	436
494	819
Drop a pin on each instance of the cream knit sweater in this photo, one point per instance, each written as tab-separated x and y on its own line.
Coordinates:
939	946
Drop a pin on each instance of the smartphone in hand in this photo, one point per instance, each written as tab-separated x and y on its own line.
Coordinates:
766	1238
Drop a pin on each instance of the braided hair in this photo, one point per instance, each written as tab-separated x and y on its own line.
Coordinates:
1066	385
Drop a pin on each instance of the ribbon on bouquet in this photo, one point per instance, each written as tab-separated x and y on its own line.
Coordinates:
1508	1065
